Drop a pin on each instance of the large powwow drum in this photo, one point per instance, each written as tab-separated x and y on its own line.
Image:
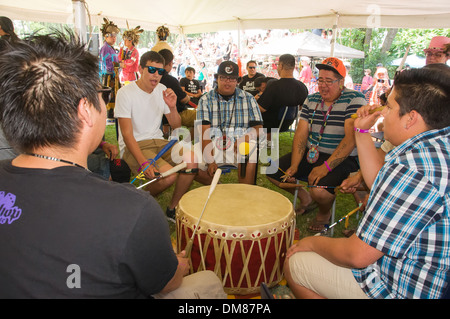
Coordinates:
243	235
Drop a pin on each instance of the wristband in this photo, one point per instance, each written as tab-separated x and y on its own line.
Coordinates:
102	143
326	164
142	165
361	130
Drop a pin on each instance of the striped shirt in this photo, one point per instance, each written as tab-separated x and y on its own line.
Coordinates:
238	113
343	108
407	218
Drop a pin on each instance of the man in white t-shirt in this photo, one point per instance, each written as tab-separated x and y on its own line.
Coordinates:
139	108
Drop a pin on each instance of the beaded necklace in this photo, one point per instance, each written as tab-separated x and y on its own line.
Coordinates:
51	158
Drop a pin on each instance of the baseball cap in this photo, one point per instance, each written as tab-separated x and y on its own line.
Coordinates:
228	68
333	64
437	44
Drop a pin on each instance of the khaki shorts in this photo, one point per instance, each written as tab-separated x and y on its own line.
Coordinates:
316	273
150	148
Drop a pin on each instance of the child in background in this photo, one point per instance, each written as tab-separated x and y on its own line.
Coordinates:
191	86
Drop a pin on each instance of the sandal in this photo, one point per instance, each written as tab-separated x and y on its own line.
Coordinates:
306	208
316	227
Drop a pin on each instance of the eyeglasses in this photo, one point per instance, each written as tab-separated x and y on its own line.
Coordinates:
436	54
252	67
227	78
106	94
152	70
327	82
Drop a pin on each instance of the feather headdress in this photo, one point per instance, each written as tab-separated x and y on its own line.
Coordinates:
133	34
163	33
109	27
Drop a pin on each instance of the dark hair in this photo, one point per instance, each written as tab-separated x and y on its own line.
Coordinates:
151	56
167	55
258	81
288	61
42	81
7	25
426	91
189	68
251	61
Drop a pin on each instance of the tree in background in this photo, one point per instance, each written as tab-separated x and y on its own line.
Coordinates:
385	45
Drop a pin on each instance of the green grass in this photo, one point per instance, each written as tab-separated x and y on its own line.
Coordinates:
344	203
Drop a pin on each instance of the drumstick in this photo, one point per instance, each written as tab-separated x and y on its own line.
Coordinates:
211	190
244	150
292	185
380	108
166	173
153	160
345	217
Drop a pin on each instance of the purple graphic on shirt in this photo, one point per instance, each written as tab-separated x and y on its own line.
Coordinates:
8	212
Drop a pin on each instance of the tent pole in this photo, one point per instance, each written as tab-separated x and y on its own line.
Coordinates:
239	38
333	39
79	19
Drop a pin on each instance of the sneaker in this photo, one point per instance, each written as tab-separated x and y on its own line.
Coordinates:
170	214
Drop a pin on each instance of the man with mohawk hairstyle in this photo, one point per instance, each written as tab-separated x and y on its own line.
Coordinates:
129	54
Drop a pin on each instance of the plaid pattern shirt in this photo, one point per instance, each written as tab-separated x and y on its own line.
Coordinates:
238	113
407	218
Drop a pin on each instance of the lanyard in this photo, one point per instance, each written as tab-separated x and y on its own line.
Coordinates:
322	129
223	124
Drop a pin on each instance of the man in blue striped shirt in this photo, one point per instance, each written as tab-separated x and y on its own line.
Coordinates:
401	247
323	149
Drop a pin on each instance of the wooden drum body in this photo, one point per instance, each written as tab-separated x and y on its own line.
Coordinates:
243	236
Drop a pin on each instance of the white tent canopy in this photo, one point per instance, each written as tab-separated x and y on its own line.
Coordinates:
305	43
195	16
412	60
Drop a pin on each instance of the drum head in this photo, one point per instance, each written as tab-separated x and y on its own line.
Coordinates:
236	206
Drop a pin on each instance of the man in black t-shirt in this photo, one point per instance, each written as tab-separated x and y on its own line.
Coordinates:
66	232
187	115
248	81
287	91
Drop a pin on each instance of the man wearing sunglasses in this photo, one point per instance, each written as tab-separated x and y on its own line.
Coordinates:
140	107
187	115
248	81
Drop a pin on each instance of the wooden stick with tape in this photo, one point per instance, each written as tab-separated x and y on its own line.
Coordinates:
355	116
343	218
166	173
211	190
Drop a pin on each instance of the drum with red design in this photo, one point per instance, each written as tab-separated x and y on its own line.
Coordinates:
243	236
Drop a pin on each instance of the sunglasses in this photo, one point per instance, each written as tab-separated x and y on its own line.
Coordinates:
106	94
252	67
152	70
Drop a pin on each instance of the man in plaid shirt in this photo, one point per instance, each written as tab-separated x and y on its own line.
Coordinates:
401	247
229	116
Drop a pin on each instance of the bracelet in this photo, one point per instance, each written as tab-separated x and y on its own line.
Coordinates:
142	165
361	130
326	164
102	143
